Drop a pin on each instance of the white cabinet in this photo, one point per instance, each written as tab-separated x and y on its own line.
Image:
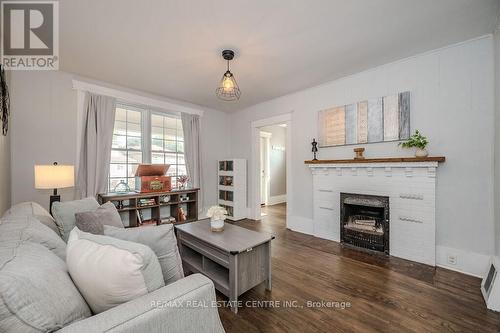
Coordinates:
232	187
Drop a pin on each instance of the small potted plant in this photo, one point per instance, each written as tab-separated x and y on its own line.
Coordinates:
417	141
217	215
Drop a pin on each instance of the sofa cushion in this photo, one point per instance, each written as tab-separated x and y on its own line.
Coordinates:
29	228
110	271
94	221
36	291
34	209
64	213
161	239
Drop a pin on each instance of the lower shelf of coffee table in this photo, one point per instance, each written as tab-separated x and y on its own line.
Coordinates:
197	263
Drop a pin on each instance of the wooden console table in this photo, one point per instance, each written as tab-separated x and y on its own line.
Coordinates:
130	203
236	259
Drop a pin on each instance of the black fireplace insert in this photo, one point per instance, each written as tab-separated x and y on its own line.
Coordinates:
364	221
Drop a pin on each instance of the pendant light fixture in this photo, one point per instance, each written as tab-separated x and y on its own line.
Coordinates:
228	89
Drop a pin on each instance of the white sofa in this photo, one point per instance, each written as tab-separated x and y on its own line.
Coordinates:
38	295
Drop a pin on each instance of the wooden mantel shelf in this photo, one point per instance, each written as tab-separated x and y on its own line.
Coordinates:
381	160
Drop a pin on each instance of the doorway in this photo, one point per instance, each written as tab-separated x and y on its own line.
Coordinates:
265	167
271	172
273	164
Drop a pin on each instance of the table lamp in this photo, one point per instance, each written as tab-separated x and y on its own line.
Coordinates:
53	177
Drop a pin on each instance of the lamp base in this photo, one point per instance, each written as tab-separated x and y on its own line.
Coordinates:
53	198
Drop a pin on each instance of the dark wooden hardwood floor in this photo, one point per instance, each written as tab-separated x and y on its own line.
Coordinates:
385	294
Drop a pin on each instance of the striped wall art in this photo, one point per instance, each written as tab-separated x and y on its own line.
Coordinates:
375	120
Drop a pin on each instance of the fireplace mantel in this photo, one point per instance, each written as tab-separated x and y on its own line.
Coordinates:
408	182
381	160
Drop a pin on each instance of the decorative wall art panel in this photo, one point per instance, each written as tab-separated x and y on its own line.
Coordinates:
333	129
376	120
363	122
404	115
391	118
351	124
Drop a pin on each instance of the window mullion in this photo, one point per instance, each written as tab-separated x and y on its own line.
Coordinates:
146	136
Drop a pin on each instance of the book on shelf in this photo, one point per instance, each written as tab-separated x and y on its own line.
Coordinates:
169	219
145	202
226	180
148	223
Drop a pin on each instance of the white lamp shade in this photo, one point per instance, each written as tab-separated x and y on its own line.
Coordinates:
54	176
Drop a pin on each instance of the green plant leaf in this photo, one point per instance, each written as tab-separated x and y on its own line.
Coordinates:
417	140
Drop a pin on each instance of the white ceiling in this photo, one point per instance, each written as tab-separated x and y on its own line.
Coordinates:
172	48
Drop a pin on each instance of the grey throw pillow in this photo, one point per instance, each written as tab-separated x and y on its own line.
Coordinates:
28	228
49	222
36	291
34	209
93	222
64	213
89	222
161	239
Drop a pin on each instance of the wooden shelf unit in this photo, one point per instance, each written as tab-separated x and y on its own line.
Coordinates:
132	206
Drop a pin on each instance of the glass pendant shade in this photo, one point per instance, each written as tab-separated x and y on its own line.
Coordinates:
228	89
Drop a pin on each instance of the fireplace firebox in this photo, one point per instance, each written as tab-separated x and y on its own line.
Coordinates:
365	221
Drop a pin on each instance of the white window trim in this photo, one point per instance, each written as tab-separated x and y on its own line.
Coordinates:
146	115
124	96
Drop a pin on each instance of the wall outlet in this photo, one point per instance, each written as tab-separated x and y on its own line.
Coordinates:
452	259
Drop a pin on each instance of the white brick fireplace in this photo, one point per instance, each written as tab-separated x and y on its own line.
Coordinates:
411	188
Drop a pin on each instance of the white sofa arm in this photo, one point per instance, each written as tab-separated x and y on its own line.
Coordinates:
187	305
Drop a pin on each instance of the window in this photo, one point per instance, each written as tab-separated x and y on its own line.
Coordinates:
126	151
167	144
142	136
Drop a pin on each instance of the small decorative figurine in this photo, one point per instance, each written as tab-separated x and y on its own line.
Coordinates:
314	149
119	205
181	215
359	153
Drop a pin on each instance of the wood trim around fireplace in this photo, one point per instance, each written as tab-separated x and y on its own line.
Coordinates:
380	160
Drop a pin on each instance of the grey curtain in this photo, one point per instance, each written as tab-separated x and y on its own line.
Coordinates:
95	150
192	153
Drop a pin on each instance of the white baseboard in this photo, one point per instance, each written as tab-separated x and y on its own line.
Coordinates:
470	263
276	199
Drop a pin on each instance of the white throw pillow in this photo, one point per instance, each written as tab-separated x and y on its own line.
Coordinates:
108	271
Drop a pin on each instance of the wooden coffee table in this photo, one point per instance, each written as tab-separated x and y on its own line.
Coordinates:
236	259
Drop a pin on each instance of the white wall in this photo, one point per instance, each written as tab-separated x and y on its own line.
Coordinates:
452	103
44	127
5	163
496	37
277	162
